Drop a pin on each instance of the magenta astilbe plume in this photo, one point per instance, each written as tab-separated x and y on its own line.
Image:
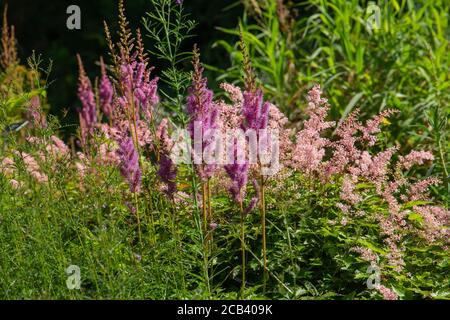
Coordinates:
203	113
88	113
105	92
256	112
135	81
129	164
167	170
168	174
238	173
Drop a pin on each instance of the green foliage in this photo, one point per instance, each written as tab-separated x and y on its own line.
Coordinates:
401	62
169	27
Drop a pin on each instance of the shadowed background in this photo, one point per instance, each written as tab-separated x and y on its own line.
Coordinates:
41	26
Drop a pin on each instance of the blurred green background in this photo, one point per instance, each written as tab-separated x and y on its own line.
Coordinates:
41	26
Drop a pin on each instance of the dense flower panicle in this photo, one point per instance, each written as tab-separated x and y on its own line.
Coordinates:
234	92
436	223
129	164
32	167
162	135
238	173
309	147
366	254
168	174
105	92
203	115
419	190
139	91
372	126
107	154
167	169
415	158
7	166
348	190
255	110
387	293
88	113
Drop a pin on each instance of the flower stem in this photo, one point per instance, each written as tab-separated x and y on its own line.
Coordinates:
263	224
242	250
138	218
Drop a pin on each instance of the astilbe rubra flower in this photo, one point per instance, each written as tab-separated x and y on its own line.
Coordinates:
351	163
88	113
238	173
105	92
255	110
139	92
129	164
167	170
203	116
32	167
387	293
309	148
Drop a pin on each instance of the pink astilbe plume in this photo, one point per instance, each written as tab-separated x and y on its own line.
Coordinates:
238	173
139	91
129	164
203	115
167	170
32	167
88	113
105	92
309	148
415	157
388	294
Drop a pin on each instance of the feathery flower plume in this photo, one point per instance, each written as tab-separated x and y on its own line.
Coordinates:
203	113
129	164
105	91
167	170
88	113
238	173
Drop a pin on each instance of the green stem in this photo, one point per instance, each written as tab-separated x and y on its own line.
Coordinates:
242	250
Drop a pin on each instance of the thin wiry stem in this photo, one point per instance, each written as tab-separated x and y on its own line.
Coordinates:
242	249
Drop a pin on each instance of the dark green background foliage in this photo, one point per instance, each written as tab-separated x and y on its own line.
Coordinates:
41	26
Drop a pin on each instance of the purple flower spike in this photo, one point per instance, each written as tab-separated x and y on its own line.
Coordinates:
88	113
135	80
238	173
256	113
168	173
203	116
129	164
105	91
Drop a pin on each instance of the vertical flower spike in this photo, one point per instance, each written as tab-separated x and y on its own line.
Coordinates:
167	170
255	111
238	173
137	86
88	113
129	164
203	113
105	91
